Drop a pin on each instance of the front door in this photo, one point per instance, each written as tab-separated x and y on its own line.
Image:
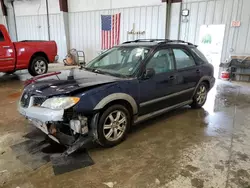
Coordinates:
155	91
7	54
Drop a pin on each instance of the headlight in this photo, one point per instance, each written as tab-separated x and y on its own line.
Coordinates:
58	103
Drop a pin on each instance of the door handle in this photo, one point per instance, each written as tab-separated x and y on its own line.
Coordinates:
6	46
198	71
171	77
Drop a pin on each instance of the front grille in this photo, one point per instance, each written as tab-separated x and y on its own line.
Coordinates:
25	100
69	113
38	101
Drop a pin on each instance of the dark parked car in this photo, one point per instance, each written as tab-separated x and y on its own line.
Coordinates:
125	85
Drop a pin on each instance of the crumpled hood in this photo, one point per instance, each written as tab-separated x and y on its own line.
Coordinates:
68	81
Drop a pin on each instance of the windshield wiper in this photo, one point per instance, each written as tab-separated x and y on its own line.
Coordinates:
98	71
94	70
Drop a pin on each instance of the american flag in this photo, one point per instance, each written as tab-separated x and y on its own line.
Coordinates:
110	30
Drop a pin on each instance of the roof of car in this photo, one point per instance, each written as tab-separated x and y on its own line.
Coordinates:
154	42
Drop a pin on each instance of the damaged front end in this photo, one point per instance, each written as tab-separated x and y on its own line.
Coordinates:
67	132
56	118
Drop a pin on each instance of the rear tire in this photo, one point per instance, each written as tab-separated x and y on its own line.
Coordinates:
200	96
113	125
38	66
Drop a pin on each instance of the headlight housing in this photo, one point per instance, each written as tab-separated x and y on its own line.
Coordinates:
59	103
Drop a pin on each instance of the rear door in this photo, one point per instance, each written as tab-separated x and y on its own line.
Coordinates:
155	92
7	53
188	73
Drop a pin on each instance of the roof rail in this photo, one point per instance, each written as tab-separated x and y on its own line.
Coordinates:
146	40
151	40
181	41
161	41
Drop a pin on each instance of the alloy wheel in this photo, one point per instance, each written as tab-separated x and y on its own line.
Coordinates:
201	95
115	125
40	67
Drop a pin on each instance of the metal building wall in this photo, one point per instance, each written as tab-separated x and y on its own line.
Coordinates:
34	27
2	19
205	12
85	26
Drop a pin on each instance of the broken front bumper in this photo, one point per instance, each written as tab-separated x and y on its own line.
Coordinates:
51	121
40	116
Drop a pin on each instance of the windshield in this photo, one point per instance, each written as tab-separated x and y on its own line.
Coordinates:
119	61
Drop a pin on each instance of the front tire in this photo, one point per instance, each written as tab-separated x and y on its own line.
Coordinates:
113	125
38	66
200	96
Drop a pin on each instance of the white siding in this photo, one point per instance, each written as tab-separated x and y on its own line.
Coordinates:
35	7
34	27
174	21
205	12
85	27
2	20
87	5
31	22
84	21
57	34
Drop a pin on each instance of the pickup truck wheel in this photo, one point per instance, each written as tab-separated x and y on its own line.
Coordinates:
113	125
38	66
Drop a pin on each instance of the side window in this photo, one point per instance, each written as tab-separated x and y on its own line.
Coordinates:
183	59
1	36
162	61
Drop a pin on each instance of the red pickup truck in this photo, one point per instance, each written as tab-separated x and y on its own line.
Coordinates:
31	55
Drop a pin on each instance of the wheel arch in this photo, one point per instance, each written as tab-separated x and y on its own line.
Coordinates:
118	98
206	82
204	79
38	54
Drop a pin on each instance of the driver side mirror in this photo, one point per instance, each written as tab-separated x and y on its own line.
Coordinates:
149	73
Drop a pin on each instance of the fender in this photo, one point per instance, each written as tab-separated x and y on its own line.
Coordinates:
204	78
117	96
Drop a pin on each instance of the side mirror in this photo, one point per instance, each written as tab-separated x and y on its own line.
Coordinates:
149	73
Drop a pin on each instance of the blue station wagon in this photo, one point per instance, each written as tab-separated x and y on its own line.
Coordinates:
127	84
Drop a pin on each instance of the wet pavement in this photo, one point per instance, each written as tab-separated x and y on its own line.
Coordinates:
209	147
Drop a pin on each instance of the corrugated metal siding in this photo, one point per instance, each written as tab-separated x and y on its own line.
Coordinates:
2	20
206	12
34	27
85	27
57	34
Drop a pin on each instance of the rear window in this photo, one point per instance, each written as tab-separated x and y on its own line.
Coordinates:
199	54
1	36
